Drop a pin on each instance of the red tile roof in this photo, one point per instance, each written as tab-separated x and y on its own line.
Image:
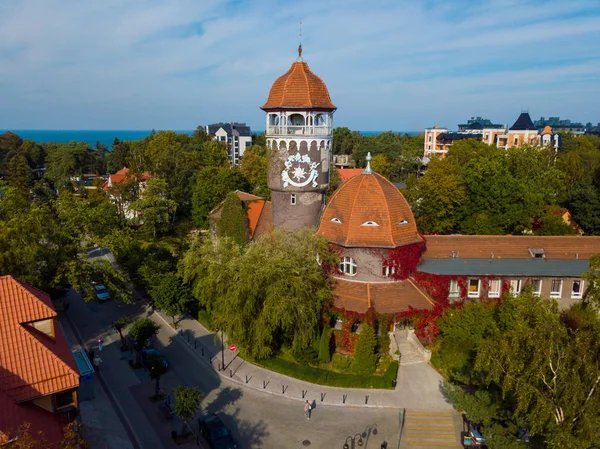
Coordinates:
510	246
32	364
123	175
368	198
264	224
299	88
385	297
347	173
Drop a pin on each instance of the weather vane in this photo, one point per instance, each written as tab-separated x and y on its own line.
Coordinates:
300	41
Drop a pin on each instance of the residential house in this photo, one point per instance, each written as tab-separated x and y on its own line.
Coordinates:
38	375
237	136
120	179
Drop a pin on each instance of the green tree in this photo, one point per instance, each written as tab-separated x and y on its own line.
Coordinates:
19	174
117	158
66	162
584	204
345	140
171	295
264	295
156	366
214	154
233	221
365	358
120	324
552	223
187	404
381	165
212	186
324	354
154	207
141	330
253	166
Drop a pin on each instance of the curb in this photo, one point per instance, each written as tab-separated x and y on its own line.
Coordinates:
245	385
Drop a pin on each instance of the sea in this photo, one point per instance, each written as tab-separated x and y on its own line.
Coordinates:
105	136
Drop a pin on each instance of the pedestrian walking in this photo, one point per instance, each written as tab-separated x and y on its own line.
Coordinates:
97	362
307	409
100	344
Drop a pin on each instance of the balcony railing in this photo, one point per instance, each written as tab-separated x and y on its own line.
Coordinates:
295	130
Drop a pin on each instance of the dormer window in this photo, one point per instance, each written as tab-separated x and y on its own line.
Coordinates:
537	253
402	222
336	220
369	223
45	326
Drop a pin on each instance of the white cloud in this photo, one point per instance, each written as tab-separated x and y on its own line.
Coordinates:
389	65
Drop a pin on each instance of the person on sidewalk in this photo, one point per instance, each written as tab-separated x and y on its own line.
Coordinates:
307	409
97	362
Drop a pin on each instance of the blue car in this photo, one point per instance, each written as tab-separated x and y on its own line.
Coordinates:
151	352
101	293
215	432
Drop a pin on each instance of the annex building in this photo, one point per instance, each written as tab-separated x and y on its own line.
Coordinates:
386	265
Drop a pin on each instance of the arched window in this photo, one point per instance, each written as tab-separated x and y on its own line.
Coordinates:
273	119
296	120
348	266
320	120
369	223
336	220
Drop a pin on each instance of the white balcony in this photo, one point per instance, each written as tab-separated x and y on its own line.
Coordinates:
298	130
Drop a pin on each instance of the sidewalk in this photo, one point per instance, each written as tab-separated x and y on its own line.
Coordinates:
418	385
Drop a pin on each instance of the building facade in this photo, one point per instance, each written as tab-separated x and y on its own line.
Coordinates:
299	119
523	132
237	136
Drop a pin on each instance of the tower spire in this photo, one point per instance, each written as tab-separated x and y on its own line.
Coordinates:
367	170
300	42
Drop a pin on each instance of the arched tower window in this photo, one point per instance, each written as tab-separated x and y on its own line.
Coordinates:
273	119
296	120
348	266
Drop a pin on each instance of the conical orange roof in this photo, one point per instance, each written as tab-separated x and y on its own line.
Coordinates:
547	130
368	211
299	88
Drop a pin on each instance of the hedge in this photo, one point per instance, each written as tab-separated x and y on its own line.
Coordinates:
330	378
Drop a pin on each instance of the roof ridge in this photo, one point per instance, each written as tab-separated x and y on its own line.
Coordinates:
352	209
419	290
305	66
387	206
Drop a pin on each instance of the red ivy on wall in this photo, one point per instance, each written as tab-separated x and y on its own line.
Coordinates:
404	259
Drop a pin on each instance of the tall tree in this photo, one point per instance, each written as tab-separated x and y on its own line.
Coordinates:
187	404
233	222
141	330
171	295
365	358
154	207
381	165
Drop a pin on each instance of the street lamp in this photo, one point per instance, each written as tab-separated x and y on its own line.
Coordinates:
353	439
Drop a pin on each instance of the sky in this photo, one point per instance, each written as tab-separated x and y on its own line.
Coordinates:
389	64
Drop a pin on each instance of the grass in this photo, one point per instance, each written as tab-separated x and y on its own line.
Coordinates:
331	378
205	319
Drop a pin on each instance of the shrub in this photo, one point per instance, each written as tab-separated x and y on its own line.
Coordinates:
365	359
305	356
341	362
324	354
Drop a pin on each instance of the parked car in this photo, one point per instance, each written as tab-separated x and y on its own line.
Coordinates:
215	432
152	352
475	433
101	293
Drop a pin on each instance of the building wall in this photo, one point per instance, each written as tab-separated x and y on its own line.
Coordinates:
369	264
303	214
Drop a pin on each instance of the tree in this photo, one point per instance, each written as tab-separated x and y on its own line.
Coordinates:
253	166
187	404
344	140
154	207
68	161
324	354
121	324
19	174
143	329
365	358
381	165
72	438
212	186
264	295
156	366
171	295
117	158
584	204
233	222
592	279
214	154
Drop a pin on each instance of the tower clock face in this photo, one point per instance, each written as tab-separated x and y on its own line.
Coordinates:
300	171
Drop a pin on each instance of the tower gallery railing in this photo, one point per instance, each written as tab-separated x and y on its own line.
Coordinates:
296	130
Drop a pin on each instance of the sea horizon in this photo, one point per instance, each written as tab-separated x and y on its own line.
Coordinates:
107	136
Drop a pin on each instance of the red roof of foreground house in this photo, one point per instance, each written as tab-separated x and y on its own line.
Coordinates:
368	211
32	364
347	173
385	297
299	88
123	175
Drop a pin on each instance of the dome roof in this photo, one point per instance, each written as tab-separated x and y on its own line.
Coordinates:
299	88
368	211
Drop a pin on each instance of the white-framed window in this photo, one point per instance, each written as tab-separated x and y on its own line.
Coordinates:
453	291
536	286
516	140
293	199
348	266
429	138
577	289
336	220
494	288
515	286
474	285
388	271
556	288
369	223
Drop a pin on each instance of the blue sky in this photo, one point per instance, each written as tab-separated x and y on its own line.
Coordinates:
390	64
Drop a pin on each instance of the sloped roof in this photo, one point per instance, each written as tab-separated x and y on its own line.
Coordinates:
547	130
31	363
506	267
123	175
369	198
299	87
385	297
265	223
347	173
523	123
510	246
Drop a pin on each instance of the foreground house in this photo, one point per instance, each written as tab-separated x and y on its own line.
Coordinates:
116	185
38	375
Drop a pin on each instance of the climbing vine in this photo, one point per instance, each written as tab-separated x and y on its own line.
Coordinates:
404	259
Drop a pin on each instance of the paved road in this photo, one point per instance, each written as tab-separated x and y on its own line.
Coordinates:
257	420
